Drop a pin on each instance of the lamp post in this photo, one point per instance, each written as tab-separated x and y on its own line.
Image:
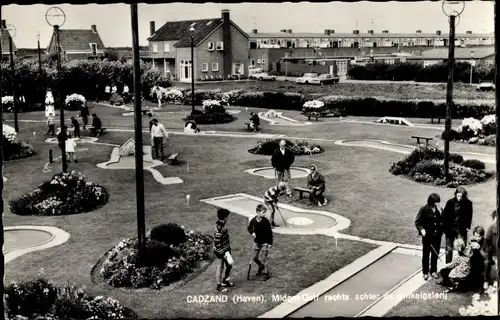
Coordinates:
471	64
452	9
12	33
55	17
40	62
191	29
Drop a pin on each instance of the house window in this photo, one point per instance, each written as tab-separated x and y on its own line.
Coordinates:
220	46
215	66
166	47
238	68
263	61
252	62
155	47
93	47
258	61
204	67
211	46
272	41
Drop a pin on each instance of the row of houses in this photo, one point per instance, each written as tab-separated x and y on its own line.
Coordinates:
222	48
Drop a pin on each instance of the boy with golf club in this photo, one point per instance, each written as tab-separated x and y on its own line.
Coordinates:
271	200
262	233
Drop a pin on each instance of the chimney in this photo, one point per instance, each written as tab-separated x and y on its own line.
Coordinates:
327	32
332	31
152	28
93	28
385	31
419	31
468	32
370	31
289	30
355	31
438	32
226	37
4	24
254	31
283	30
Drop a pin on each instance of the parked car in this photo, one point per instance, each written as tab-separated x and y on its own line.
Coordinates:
325	79
262	76
306	78
486	86
252	70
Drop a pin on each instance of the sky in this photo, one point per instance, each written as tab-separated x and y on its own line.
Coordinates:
114	24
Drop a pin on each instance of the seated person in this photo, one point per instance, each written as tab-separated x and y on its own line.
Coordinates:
254	121
96	126
191	127
316	183
456	272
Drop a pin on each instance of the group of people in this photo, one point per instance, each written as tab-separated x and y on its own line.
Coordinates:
261	232
476	256
111	93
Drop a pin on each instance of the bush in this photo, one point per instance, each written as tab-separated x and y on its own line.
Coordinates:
161	265
37	297
268	147
170	233
489	124
426	165
474	164
66	193
452	135
13	149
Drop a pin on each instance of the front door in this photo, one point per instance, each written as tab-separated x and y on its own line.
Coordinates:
185	70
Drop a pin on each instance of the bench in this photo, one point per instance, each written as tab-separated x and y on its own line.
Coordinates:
302	191
173	158
312	115
427	139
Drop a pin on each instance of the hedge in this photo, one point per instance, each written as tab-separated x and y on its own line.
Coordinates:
412	71
85	77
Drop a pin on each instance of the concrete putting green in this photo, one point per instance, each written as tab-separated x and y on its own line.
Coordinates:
277	118
20	239
269	172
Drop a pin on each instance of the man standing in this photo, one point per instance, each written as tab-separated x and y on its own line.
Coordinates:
76	127
457	219
158	131
281	160
84	113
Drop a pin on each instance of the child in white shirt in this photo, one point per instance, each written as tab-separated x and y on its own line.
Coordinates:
70	149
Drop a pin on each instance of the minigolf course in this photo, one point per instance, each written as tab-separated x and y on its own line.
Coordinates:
270	173
277	118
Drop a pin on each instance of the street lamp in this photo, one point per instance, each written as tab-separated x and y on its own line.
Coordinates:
11	30
191	29
471	64
39	62
452	9
55	18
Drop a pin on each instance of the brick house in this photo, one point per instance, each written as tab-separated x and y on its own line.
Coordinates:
77	44
4	38
220	48
476	56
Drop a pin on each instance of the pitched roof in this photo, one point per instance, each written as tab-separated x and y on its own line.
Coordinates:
4	35
179	30
460	53
78	39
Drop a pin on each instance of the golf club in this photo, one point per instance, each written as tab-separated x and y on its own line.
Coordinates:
278	209
249	269
432	247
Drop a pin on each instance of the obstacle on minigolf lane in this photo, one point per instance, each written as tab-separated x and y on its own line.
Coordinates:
124	158
270	173
395	120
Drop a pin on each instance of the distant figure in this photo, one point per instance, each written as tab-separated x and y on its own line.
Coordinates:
51	125
150	118
191	127
84	113
125	89
61	139
107	92
316	183
70	149
96	128
281	160
114	89
254	121
76	127
158	131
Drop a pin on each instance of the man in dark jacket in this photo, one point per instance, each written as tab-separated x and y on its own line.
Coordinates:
262	233
490	248
84	113
429	223
254	121
282	159
457	219
76	127
61	138
96	125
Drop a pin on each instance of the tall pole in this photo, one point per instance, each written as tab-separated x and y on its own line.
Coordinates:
139	165
449	95
13	82
2	261
40	66
60	103
192	74
471	66
497	116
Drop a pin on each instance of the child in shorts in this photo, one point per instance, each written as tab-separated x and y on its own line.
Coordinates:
222	251
271	199
262	233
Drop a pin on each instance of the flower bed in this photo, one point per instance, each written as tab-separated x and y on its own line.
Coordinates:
268	147
163	95
74	101
171	254
482	307
13	149
315	106
213	113
8	103
475	131
66	193
425	165
38	298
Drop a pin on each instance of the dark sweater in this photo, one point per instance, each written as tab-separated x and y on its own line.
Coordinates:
255	119
457	216
96	123
221	238
430	220
282	161
262	230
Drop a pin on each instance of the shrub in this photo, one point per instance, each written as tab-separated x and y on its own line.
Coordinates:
202	94
170	233
314	106
470	128
65	193
268	147
452	135
161	265
489	124
29	297
13	149
474	164
426	165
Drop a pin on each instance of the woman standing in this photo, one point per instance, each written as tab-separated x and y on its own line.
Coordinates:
429	223
457	219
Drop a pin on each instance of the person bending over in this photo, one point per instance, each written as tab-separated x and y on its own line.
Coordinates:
271	199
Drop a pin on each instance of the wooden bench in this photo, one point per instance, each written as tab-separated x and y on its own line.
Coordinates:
302	191
312	115
427	139
173	158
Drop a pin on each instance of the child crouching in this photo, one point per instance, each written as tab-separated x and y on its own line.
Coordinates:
262	233
457	271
